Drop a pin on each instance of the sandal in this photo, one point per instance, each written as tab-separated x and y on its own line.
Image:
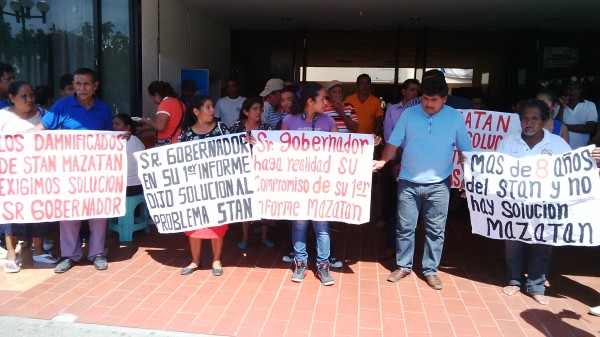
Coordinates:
45	258
11	266
269	244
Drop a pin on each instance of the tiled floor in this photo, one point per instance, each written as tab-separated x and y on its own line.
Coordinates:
255	297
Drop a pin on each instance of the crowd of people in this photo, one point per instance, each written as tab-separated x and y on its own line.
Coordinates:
420	134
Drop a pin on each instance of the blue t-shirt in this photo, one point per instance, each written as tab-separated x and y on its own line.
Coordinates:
68	114
428	142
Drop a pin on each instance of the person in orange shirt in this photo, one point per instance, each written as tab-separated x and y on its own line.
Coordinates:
367	107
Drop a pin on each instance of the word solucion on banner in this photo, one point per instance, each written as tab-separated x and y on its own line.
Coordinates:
540	199
198	184
62	175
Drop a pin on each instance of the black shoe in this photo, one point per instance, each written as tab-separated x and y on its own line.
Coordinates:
100	262
64	265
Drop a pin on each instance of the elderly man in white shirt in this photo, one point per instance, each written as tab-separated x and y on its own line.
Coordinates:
533	140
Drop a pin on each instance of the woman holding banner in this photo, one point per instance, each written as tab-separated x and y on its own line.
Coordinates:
169	113
199	123
307	115
249	120
21	116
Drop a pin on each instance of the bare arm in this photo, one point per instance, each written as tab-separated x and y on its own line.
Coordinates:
587	128
350	124
378	126
388	153
38	127
158	125
564	133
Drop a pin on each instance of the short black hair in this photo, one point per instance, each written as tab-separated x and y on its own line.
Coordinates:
15	86
6	68
535	103
552	95
434	85
188	85
66	79
432	73
408	82
127	120
86	71
363	76
43	94
247	105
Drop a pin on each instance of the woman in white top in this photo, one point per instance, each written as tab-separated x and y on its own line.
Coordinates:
123	122
22	116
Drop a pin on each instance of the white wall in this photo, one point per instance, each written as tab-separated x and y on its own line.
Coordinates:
174	36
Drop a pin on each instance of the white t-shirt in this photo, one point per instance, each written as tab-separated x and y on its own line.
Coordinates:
134	144
550	145
584	112
228	110
11	123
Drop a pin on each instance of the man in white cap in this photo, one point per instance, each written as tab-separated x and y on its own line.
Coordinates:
343	113
273	113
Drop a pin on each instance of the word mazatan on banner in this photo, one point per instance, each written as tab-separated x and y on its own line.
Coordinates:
198	184
62	175
541	199
486	129
312	175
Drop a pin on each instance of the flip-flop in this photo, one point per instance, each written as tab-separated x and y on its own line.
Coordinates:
11	266
269	244
45	258
242	245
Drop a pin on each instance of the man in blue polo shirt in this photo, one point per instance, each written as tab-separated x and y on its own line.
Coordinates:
428	133
81	111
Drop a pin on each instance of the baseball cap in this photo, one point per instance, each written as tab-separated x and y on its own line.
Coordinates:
272	85
333	84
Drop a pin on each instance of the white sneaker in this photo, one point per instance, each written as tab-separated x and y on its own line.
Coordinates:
595	311
22	243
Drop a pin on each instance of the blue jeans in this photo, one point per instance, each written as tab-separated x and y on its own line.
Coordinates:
321	228
433	199
537	269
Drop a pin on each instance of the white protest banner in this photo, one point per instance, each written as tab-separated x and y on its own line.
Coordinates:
62	175
486	129
198	184
308	175
540	199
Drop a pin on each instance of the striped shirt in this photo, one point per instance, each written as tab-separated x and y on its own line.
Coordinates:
274	119
339	122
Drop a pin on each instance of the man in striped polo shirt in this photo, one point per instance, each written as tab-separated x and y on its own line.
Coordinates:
343	113
273	113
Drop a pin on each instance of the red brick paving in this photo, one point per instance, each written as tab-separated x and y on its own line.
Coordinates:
143	288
